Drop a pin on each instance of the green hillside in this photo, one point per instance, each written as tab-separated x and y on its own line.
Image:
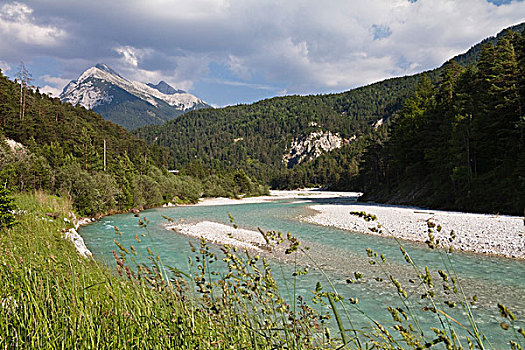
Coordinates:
460	144
255	137
61	150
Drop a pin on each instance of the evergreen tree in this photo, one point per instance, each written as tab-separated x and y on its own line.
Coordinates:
125	178
7	207
406	142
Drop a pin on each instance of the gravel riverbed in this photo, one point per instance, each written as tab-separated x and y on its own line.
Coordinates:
480	233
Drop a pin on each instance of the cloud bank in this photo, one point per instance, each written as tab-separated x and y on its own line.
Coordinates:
297	46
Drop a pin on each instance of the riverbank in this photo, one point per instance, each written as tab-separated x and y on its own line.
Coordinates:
312	194
42	276
479	233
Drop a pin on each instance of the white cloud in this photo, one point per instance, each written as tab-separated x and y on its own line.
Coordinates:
50	90
237	66
131	55
181	72
55	86
17	24
57	81
186	10
243	84
302	46
312	45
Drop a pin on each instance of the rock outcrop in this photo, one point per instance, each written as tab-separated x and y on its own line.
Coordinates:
309	147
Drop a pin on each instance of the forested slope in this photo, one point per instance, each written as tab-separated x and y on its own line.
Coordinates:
255	137
460	144
61	150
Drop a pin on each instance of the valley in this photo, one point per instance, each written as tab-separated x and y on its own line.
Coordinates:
389	215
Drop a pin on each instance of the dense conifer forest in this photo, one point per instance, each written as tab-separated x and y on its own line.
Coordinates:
61	149
460	143
255	137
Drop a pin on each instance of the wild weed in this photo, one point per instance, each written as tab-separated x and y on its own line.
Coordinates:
50	297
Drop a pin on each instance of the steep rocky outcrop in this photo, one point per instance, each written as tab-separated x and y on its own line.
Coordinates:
309	147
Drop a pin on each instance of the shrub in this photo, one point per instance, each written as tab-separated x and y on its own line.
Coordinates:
147	191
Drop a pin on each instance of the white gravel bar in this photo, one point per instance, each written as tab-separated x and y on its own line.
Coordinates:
221	234
480	233
242	238
278	195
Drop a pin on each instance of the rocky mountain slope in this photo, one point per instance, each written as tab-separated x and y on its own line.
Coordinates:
129	103
310	147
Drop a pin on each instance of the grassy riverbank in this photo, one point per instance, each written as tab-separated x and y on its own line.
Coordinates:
51	297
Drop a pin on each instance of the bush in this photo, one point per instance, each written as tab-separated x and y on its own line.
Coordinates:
187	188
91	193
147	191
217	186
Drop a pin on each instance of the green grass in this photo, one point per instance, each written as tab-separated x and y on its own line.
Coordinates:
51	297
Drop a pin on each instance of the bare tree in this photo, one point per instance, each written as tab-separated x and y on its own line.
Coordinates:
25	83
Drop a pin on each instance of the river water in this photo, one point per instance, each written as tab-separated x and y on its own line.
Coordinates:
339	254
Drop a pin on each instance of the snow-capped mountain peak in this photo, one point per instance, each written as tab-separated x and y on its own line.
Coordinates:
106	68
100	85
165	88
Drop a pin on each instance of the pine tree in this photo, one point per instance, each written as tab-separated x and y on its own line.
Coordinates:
125	178
406	143
7	207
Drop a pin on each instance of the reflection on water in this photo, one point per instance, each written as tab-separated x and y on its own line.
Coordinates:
339	253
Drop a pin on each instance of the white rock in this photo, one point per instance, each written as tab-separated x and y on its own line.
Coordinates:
78	241
311	147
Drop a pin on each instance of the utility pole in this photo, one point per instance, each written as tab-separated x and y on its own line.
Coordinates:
104	154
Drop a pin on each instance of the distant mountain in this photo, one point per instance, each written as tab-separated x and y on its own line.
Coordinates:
165	88
129	103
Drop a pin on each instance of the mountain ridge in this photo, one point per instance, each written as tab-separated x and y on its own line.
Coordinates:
126	102
267	127
165	88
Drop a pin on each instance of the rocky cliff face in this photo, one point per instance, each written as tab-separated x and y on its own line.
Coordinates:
310	147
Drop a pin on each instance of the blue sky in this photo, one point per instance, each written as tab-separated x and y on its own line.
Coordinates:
240	51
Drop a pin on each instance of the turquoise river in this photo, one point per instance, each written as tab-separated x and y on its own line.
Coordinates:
339	254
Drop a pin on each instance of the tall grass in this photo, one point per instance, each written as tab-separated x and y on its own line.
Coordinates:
51	297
